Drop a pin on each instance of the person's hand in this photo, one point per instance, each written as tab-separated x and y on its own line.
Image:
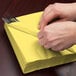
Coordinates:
58	36
64	11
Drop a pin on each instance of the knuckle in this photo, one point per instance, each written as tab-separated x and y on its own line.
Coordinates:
56	4
49	6
56	9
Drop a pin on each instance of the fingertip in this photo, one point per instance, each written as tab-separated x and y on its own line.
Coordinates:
40	35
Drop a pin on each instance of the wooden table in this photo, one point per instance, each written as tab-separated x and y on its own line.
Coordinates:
8	62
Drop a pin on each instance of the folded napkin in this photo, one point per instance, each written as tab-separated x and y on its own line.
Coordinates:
30	55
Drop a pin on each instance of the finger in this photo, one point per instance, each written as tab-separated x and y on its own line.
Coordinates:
43	41
52	44
47	46
59	47
47	18
40	34
46	11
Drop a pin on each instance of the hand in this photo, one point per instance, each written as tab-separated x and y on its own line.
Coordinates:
58	36
64	11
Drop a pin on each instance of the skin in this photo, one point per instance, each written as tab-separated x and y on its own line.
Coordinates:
60	34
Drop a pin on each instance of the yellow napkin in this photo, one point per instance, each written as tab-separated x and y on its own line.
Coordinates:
31	56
